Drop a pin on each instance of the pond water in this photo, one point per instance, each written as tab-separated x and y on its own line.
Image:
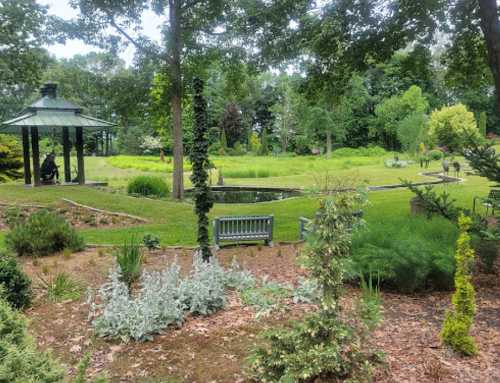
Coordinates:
227	194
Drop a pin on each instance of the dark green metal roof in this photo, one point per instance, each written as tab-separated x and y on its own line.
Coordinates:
53	103
52	112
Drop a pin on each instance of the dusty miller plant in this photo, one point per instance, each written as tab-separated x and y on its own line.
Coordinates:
163	299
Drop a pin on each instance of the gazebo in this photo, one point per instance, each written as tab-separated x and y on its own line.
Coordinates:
46	115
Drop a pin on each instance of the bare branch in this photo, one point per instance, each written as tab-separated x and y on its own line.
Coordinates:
134	42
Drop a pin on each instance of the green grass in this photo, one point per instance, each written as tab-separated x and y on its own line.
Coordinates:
175	222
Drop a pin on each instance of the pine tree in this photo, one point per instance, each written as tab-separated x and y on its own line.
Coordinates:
200	165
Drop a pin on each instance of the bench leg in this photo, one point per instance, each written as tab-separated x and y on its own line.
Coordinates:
268	243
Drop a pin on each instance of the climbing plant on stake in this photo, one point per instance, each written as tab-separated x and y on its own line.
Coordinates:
200	164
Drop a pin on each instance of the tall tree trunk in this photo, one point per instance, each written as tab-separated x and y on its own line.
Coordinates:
328	144
488	12
176	98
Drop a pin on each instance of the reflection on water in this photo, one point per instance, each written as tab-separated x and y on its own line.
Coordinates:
250	195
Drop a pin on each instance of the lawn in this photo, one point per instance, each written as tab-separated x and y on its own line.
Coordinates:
174	221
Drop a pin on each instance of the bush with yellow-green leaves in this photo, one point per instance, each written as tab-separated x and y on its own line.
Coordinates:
459	320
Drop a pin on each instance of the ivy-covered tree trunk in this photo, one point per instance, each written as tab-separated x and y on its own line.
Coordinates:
200	164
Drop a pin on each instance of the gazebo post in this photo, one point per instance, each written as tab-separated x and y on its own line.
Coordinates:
66	154
79	155
26	155
36	155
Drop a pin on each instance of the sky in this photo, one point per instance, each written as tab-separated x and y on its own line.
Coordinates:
61	8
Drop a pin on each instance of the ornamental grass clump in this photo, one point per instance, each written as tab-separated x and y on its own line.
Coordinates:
459	320
322	345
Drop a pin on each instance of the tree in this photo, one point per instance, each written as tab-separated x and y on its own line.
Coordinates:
402	117
189	34
483	158
458	322
231	124
320	121
199	158
451	126
11	158
24	29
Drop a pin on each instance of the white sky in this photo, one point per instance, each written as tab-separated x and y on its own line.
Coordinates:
61	8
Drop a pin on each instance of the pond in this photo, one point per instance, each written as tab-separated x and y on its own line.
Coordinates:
236	194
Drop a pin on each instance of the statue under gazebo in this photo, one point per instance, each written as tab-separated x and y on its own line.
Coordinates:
47	114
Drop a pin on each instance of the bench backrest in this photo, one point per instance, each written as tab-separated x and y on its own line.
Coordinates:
244	227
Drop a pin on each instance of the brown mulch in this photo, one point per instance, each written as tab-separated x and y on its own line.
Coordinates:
78	216
213	349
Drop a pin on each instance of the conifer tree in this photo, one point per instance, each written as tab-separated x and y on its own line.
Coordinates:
459	320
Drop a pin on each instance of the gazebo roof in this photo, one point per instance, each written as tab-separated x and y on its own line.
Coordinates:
51	111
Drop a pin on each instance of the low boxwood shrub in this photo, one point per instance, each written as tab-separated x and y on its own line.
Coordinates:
435	154
407	254
15	286
20	361
42	233
148	186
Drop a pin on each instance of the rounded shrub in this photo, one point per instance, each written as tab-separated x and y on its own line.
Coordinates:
15	286
148	186
42	233
436	155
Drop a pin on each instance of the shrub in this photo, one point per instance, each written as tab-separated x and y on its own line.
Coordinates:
16	286
317	346
129	259
451	126
43	233
151	241
407	254
435	155
11	158
148	186
20	362
459	320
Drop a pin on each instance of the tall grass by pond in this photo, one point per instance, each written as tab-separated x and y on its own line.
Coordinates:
250	166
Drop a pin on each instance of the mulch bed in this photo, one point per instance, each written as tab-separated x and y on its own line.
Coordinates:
78	216
214	349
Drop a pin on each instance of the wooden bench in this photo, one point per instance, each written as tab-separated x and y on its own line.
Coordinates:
491	202
305	222
243	228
